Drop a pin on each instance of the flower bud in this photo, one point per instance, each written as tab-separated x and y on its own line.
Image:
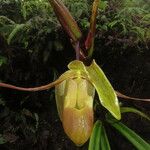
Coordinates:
74	98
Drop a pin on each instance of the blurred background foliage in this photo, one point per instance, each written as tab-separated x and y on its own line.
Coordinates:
125	21
34	50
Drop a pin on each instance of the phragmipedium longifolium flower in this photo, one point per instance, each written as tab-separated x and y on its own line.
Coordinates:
75	96
74	92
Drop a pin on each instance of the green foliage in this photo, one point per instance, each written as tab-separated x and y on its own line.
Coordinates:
135	139
4	21
79	9
3	60
34	17
99	140
35	7
133	110
2	102
104	140
96	136
2	140
17	28
125	20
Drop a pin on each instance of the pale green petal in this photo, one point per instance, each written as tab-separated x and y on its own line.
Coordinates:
104	89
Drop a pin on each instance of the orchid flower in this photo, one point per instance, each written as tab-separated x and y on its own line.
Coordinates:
75	89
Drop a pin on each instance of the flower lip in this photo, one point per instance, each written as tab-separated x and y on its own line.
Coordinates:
78	124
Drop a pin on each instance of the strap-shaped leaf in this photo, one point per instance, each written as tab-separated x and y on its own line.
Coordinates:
99	140
95	139
106	93
133	110
135	139
104	140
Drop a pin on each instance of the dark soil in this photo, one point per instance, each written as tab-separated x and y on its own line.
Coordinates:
128	71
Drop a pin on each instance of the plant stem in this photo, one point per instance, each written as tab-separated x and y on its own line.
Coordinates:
77	49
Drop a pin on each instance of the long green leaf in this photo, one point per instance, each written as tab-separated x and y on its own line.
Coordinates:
135	139
104	140
94	143
66	20
99	140
106	93
133	110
